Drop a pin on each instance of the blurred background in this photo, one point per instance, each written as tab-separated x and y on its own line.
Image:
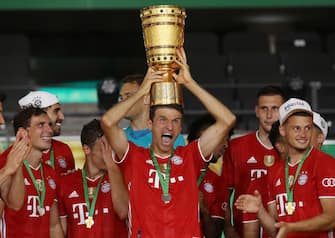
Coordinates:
80	49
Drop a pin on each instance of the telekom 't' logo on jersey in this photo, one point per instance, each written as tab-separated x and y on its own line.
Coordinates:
257	173
281	200
79	212
154	178
32	204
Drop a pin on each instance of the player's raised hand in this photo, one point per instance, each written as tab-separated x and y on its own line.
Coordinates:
184	75
19	152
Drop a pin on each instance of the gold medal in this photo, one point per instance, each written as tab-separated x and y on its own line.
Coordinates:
269	160
289	208
89	222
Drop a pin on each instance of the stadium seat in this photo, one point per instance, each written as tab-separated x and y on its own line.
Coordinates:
237	42
298	42
201	42
254	67
208	68
309	66
224	93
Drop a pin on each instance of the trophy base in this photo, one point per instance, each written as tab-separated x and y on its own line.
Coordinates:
165	93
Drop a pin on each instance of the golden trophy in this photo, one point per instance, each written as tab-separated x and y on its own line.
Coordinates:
163	33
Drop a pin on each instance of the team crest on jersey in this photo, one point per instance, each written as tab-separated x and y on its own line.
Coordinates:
52	183
302	179
269	160
208	187
106	187
61	162
177	160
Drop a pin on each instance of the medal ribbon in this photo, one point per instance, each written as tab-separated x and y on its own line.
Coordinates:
52	158
90	206
41	197
202	175
164	182
289	191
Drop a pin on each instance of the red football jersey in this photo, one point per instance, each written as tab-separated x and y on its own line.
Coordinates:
246	159
315	181
215	194
27	222
63	157
72	205
149	215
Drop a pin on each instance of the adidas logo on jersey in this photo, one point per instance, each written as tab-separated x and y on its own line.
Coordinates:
278	183
252	160
74	194
26	182
149	162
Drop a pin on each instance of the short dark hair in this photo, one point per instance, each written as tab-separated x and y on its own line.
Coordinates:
132	78
2	97
23	117
271	90
154	108
199	125
91	132
274	133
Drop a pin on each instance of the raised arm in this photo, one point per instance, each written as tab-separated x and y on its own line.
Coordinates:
225	119
119	190
109	122
12	186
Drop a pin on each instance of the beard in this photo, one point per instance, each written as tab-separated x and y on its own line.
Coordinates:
56	131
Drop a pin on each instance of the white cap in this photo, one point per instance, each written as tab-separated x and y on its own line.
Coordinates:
291	106
38	99
321	123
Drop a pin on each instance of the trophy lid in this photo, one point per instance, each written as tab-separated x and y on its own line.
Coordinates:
162	9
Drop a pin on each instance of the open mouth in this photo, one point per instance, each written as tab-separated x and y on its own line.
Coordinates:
166	139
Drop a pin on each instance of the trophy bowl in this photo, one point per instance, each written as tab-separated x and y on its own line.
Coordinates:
163	33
